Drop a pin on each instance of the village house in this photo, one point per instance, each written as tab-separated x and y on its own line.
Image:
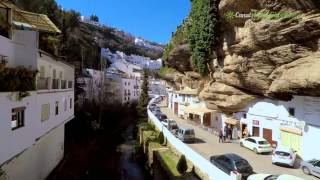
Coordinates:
293	124
185	104
33	111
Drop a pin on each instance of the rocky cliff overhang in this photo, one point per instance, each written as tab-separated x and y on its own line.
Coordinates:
265	57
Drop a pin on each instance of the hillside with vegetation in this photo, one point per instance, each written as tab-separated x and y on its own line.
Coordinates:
233	60
82	40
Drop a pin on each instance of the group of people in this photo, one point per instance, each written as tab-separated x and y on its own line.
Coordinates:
228	133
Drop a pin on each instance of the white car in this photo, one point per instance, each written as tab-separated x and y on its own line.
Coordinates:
256	144
284	156
273	177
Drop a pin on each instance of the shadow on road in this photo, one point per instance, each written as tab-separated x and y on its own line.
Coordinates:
196	141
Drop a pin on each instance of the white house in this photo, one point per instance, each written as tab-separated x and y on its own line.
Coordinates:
294	123
141	61
32	125
185	104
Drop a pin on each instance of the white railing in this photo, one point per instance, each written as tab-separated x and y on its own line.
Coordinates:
199	161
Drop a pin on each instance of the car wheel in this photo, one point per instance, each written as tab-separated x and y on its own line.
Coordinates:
306	170
241	144
255	150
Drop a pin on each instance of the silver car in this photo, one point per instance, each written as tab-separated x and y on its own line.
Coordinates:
311	167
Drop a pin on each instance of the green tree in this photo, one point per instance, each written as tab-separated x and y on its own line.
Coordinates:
202	32
182	165
94	18
144	96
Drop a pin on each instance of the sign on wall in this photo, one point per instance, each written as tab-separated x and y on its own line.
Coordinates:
255	122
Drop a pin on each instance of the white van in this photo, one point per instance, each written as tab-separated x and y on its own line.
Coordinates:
186	134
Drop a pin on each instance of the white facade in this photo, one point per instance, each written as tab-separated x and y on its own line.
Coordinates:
294	123
187	105
157	87
142	62
32	129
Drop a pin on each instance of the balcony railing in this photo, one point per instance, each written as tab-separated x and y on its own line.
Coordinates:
55	83
63	84
70	84
43	83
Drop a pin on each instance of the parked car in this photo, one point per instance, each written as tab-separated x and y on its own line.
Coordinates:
273	177
156	111
170	124
161	116
186	134
311	167
284	156
232	163
257	144
154	108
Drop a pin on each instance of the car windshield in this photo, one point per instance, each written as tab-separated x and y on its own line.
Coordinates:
263	142
281	153
272	177
242	165
189	132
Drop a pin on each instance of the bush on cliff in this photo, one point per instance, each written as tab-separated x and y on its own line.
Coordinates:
182	165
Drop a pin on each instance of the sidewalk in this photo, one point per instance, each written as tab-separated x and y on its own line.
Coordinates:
209	145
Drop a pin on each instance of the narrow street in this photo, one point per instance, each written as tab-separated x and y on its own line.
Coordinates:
210	145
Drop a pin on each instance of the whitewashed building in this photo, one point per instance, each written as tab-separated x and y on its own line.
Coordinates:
156	87
185	104
294	123
32	125
141	61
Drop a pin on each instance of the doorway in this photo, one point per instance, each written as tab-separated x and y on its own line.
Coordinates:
176	108
255	131
267	134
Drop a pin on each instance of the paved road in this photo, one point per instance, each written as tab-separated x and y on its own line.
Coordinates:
210	146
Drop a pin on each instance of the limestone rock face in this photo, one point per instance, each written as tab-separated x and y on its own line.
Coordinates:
179	58
266	57
226	98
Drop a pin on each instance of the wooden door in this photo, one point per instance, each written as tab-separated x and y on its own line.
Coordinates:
207	119
255	131
176	108
267	134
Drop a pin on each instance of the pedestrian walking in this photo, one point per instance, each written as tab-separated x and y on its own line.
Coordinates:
221	135
229	133
224	134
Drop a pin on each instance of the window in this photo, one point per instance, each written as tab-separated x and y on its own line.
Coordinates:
291	111
317	164
245	115
57	108
45	112
70	103
42	71
17	119
65	105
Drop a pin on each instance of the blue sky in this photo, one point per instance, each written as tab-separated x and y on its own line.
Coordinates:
153	20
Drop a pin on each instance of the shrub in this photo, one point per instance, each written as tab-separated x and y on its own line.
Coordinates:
182	165
161	138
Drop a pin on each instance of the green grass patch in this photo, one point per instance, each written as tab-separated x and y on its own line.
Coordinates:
170	161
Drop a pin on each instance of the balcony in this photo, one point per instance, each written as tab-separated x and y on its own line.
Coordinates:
70	84
63	84
43	83
55	83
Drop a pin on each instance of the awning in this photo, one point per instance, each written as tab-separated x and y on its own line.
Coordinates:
291	130
231	121
188	91
199	110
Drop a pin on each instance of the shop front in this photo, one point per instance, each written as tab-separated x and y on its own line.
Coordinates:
291	137
200	115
